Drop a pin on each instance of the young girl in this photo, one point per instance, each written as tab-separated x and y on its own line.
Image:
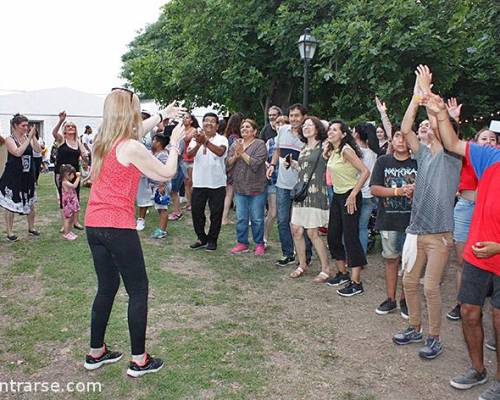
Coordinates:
70	180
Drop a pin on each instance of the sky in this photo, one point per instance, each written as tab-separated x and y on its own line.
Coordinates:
72	43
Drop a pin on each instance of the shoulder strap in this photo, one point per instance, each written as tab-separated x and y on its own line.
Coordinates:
315	165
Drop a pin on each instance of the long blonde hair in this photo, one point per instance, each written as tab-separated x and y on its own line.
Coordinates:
121	121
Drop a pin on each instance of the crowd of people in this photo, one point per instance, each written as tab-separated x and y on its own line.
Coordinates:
430	190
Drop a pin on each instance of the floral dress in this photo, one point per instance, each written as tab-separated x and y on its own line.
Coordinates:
70	202
313	211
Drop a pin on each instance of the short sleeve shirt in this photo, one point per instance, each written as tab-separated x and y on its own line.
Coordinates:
393	212
288	143
435	190
209	170
485	224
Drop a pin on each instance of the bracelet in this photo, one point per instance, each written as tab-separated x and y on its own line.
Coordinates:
272	165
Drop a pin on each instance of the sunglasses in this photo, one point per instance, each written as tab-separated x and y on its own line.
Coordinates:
126	90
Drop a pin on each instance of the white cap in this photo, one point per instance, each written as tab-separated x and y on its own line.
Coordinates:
495	126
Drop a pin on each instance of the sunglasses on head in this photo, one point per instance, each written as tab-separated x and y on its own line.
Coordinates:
126	90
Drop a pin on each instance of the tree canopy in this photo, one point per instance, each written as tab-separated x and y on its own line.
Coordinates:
243	54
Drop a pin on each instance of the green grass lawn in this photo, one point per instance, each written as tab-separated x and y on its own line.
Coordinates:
228	327
208	316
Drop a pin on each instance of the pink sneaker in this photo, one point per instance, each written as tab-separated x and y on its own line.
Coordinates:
239	248
260	249
70	236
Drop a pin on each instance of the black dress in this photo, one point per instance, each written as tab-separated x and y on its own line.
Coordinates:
17	184
66	155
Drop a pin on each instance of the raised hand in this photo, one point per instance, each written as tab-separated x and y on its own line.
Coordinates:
424	80
381	107
434	103
172	111
177	133
454	108
62	116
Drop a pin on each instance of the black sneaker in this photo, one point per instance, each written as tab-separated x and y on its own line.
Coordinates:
285	260
198	245
351	289
454	315
12	238
387	307
108	357
339	279
211	247
403	308
151	365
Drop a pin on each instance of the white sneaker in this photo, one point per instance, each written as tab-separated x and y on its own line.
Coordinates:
141	224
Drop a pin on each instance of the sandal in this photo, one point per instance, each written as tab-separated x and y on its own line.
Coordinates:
33	232
322	277
299	271
79	227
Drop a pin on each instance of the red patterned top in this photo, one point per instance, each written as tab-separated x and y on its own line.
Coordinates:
111	201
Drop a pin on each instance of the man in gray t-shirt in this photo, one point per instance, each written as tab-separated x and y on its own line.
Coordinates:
429	235
288	147
436	186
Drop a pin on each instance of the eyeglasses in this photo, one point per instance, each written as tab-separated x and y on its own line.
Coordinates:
126	90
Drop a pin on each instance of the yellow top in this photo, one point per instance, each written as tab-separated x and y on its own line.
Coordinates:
344	175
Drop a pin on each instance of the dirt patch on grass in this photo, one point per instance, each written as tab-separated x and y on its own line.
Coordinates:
339	348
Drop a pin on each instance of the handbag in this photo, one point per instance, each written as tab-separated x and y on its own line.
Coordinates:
299	192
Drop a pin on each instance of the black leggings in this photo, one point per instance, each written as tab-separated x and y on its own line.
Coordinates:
118	252
342	225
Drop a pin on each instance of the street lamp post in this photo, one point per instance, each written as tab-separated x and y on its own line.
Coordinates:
307	47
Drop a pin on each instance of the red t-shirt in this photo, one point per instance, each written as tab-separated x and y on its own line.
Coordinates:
112	196
468	179
485	224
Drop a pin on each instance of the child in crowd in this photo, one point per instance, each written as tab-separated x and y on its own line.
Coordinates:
70	180
161	190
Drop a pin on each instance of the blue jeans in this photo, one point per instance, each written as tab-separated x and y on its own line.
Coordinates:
367	206
284	206
250	208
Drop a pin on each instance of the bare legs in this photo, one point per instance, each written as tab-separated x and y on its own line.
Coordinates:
271	215
228	200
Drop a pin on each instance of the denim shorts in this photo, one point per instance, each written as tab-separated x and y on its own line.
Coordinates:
185	165
392	243
271	189
178	180
462	216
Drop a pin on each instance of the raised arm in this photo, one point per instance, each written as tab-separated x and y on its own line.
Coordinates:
386	123
58	137
436	106
170	111
409	119
135	153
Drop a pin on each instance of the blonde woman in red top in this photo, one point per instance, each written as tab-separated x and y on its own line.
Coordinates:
119	158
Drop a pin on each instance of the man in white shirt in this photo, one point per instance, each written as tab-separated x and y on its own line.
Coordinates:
209	181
